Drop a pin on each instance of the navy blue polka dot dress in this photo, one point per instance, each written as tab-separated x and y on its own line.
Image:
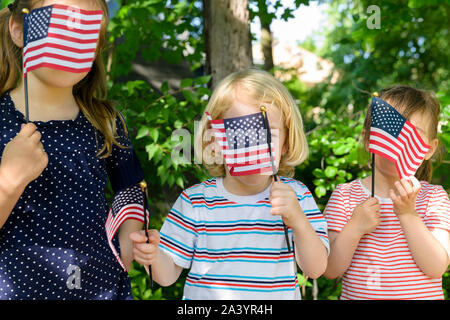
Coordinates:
54	244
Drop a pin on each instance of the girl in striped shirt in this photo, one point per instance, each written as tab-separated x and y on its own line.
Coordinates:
395	245
228	230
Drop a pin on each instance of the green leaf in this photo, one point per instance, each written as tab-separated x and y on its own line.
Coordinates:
151	150
342	149
318	173
203	80
147	294
180	182
190	96
143	132
165	87
186	83
320	191
154	133
330	171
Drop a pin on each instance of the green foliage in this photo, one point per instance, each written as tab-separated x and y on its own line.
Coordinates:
152	29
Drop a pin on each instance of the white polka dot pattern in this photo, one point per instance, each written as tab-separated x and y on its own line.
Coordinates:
59	221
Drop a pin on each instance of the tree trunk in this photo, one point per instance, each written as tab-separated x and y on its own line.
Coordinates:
266	34
266	47
227	37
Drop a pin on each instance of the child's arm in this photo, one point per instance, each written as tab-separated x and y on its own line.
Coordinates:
23	160
164	271
430	254
365	219
311	254
126	245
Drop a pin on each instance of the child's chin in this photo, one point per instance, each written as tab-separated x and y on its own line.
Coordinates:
254	179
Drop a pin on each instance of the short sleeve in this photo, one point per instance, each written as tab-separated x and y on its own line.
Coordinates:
179	232
335	212
438	210
315	217
123	166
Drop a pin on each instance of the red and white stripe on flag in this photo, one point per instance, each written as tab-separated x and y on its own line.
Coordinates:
113	223
70	41
407	151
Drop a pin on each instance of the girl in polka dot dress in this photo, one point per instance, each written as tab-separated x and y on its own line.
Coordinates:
53	174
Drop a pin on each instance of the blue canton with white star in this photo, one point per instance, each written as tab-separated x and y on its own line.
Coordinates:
385	117
36	24
246	131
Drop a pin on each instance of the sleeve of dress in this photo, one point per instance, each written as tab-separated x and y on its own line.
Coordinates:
123	167
179	232
125	174
335	212
438	211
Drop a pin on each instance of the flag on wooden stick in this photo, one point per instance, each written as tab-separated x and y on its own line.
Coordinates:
395	139
244	145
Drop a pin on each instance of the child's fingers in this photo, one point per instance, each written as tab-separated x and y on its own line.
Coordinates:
154	237
416	184
277	201
36	137
401	191
393	196
372	201
142	258
273	189
145	248
277	211
138	236
407	186
27	130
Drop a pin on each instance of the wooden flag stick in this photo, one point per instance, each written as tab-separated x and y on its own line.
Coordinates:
375	94
143	186
269	142
373	175
25	11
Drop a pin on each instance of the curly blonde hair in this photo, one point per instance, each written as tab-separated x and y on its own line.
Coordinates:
262	87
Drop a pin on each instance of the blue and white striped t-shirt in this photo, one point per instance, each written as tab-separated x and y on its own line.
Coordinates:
234	247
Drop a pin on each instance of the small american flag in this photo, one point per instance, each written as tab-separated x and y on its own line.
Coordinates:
243	141
127	204
395	139
60	37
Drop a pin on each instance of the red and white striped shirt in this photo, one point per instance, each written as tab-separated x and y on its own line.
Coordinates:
382	266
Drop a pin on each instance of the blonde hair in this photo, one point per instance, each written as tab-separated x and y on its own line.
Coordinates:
90	93
261	87
408	101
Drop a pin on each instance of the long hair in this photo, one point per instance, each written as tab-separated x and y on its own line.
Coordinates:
90	93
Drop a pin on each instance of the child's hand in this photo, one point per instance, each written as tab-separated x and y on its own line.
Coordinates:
366	216
23	158
285	203
145	253
405	197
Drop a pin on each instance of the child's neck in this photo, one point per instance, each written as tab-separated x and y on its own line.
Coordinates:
239	188
382	184
45	103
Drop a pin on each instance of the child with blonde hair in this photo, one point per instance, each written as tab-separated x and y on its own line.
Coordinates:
395	245
229	230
